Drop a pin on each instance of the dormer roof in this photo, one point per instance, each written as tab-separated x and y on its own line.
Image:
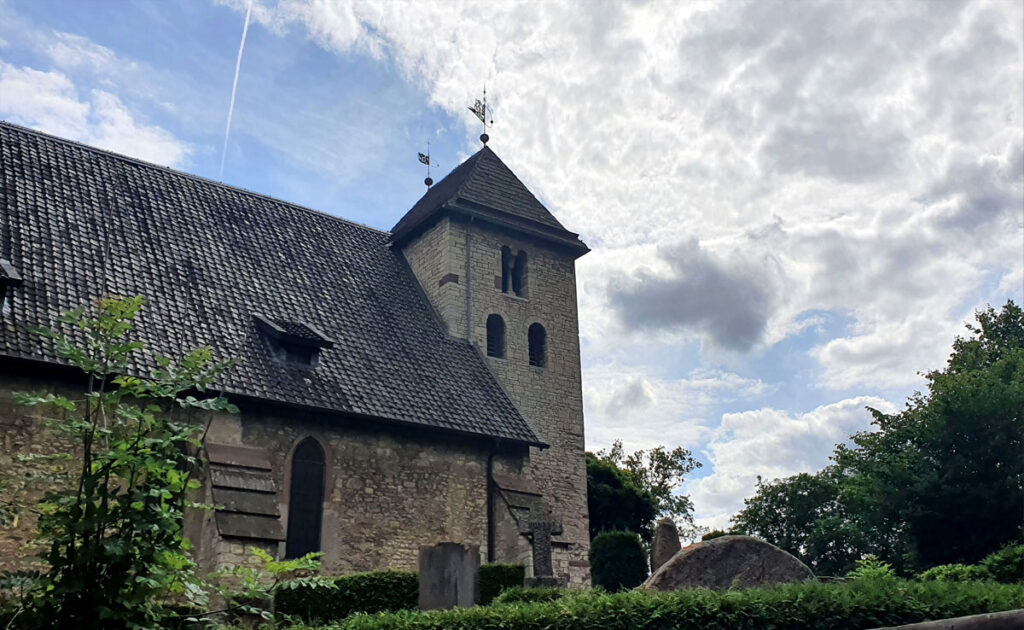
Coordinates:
485	188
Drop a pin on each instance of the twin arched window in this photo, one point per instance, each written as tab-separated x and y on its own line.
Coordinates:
305	499
536	336
513	272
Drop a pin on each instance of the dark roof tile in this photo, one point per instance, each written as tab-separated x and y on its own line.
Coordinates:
80	223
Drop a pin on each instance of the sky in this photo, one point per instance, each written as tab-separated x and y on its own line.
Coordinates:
793	207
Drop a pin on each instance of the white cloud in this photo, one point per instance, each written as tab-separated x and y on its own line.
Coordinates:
736	166
771	443
48	101
645	410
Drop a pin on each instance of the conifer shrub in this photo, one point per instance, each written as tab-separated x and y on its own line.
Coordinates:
373	592
496	578
617	561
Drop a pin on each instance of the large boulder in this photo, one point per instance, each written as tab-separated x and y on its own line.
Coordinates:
726	561
665	543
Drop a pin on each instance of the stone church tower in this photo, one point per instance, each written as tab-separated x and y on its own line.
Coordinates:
500	271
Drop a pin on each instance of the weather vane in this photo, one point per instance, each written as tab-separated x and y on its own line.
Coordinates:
425	159
481	110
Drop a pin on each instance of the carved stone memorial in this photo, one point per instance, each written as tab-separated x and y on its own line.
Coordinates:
540	532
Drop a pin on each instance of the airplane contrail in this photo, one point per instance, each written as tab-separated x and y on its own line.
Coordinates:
234	87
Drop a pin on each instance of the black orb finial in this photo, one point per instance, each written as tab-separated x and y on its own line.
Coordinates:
429	182
484	138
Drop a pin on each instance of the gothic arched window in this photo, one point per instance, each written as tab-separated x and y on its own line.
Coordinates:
538	345
495	336
305	499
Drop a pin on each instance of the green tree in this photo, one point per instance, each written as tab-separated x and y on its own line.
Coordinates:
660	472
110	522
944	478
615	502
940	482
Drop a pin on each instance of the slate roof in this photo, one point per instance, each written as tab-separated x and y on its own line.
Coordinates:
484	187
208	257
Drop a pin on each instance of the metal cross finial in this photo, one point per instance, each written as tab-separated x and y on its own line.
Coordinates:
481	111
425	159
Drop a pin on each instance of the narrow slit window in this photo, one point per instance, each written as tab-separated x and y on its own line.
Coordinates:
507	260
519	274
537	338
305	499
495	336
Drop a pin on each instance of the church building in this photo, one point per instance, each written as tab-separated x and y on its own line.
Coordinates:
397	389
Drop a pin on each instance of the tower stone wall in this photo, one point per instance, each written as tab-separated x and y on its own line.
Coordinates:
549	397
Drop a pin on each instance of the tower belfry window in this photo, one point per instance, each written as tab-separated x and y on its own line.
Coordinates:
495	336
538	340
513	272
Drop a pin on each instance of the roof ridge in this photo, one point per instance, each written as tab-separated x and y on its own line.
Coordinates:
192	176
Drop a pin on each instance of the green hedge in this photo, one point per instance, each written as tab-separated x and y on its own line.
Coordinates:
377	591
617	560
496	577
1005	565
809	606
524	595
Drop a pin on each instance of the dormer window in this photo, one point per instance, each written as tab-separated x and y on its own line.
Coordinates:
9	278
292	342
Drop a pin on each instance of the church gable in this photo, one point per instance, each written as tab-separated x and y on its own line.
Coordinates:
215	262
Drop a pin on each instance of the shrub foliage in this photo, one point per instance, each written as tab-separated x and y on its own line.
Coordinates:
496	578
109	525
374	592
617	560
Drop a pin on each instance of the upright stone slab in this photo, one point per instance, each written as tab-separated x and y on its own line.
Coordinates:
448	576
665	543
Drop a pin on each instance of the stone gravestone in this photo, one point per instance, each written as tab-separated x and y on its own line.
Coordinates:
665	543
720	563
448	576
540	532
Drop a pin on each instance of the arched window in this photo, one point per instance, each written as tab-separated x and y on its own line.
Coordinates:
538	345
305	499
495	336
519	274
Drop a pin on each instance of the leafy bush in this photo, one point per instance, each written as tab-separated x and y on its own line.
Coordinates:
496	578
1006	565
715	533
523	595
373	592
871	568
617	560
955	573
808	606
